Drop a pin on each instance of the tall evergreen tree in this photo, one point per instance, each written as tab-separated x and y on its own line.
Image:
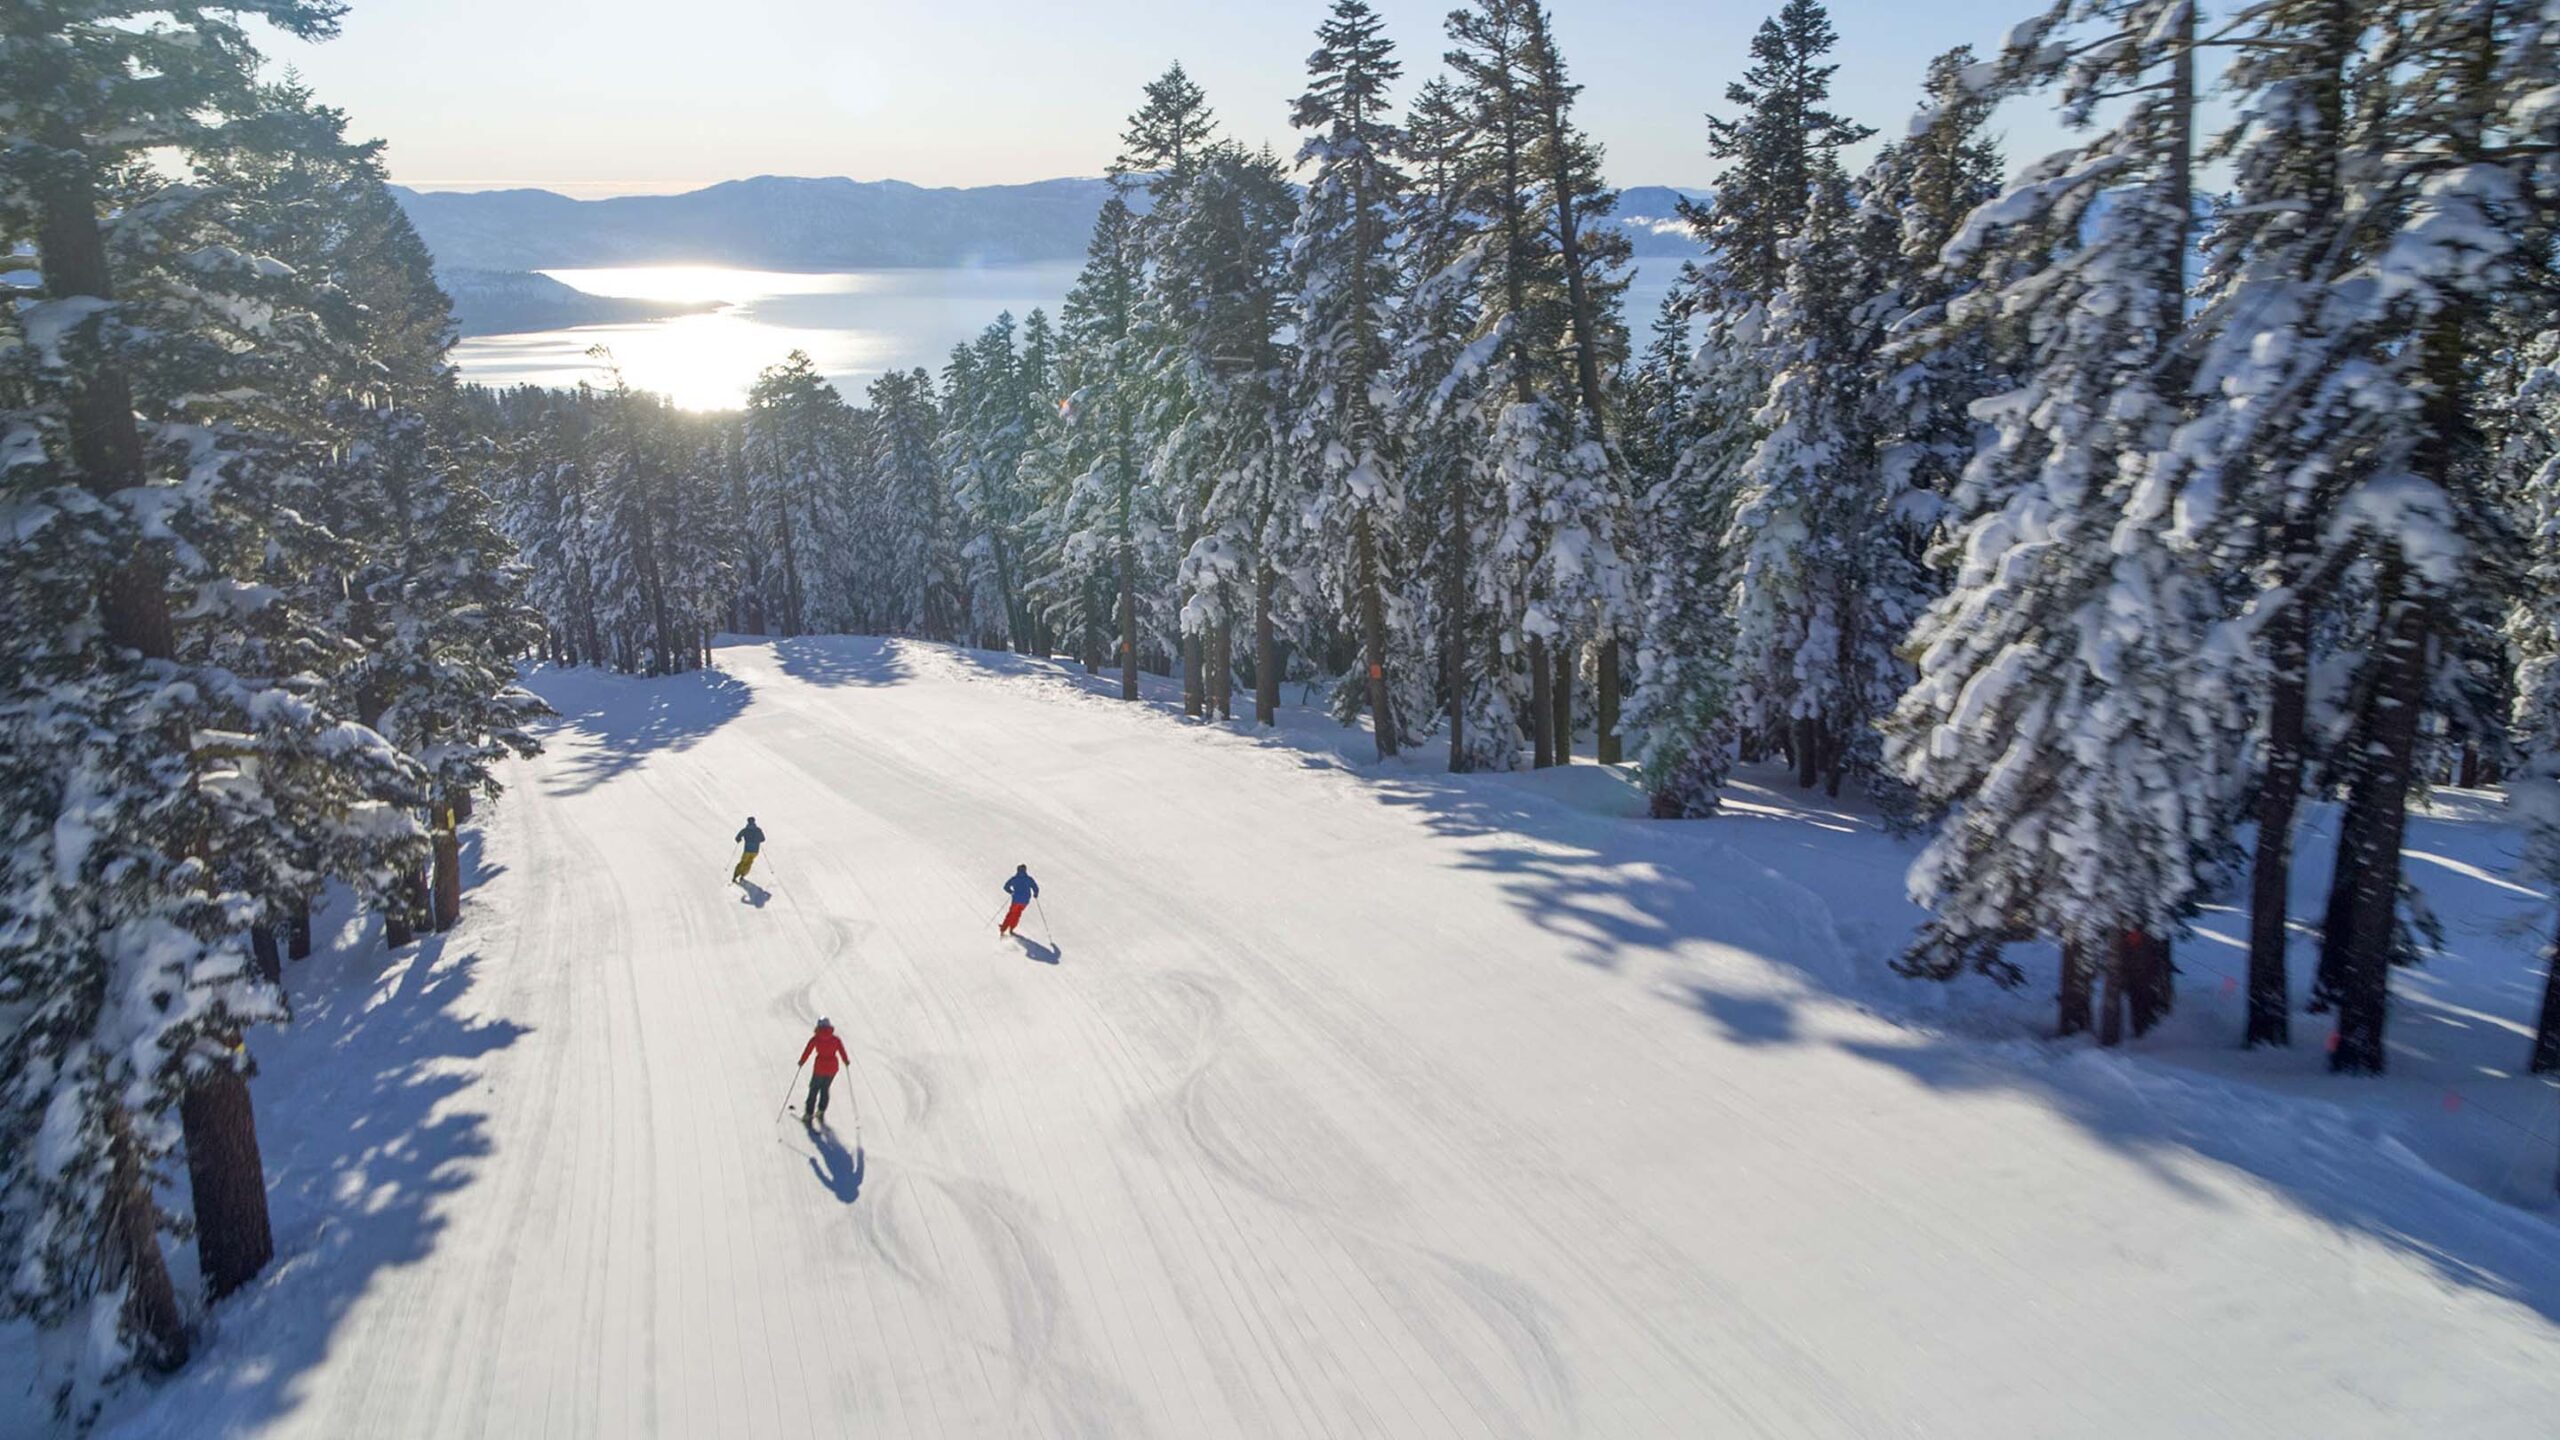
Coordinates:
2065	717
1778	142
1443	392
156	752
1344	277
2470	86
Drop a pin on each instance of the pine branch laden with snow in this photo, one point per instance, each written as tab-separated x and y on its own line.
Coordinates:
2072	717
208	412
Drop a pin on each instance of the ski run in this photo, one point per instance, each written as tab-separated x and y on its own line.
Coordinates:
1343	1099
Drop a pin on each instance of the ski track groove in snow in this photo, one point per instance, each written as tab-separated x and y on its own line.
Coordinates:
1333	1114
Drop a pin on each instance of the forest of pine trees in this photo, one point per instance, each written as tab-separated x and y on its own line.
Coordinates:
264	630
2090	516
2092	513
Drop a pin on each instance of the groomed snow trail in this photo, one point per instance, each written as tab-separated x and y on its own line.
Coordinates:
1312	1125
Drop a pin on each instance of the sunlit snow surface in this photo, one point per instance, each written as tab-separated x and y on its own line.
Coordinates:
1322	1097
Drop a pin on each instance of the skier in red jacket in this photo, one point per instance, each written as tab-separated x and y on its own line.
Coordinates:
828	1053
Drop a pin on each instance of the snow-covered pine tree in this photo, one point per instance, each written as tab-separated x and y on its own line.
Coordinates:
2066	715
420	586
550	515
1592	587
1169	140
1811	648
2300	406
1547	563
987	424
1442	394
2531	462
1034	398
1780	137
2476	118
1213	388
1909	203
144	775
663	531
798	486
1345	281
912	498
1095	511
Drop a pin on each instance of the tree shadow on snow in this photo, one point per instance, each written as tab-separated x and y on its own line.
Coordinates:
832	660
1747	1019
2330	1161
369	1121
838	1169
1576	862
618	721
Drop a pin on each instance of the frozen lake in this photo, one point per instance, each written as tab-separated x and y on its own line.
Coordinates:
854	324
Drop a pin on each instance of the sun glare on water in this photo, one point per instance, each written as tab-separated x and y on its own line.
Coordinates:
853	324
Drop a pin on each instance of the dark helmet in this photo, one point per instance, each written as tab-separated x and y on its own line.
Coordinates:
826	1024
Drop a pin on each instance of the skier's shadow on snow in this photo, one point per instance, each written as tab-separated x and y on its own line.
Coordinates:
836	1168
753	893
1045	954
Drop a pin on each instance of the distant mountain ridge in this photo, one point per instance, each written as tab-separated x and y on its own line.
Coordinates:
770	222
775	222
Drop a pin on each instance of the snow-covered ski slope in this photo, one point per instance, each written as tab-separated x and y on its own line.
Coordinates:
1350	1101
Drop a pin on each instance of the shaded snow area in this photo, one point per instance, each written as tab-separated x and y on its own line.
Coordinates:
1325	1098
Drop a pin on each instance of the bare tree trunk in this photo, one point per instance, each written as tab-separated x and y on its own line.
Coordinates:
1128	623
1542	710
448	873
2377	819
297	931
2073	996
399	926
1453	600
129	1257
1194	701
1222	671
2546	1035
2112	992
1606	744
228	1180
1373	637
2154	992
264	953
1562	697
1266	648
1805	745
2279	796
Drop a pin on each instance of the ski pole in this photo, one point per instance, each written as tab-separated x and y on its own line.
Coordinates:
1045	932
795	1084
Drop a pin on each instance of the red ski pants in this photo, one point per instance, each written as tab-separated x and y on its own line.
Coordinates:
1012	917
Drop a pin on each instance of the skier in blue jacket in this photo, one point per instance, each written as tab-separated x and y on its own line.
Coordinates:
1024	890
753	839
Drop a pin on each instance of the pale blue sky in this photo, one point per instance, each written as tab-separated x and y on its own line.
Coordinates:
607	96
